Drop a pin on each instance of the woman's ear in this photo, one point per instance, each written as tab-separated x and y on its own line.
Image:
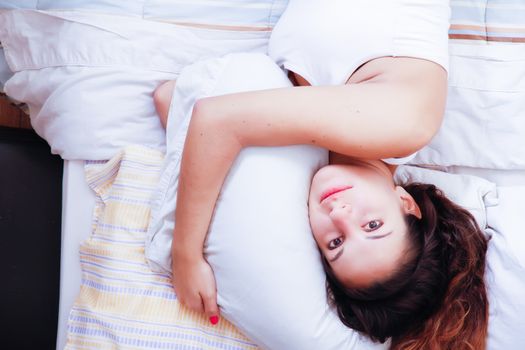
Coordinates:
409	204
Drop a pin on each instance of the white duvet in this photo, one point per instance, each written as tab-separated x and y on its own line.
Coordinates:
89	79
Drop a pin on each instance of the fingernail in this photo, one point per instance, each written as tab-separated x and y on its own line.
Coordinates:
214	320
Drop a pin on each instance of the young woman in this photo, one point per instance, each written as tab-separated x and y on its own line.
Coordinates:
378	93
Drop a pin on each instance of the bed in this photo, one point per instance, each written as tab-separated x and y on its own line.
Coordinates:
486	97
78	202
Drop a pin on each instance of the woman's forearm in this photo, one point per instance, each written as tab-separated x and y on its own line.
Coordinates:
209	152
369	120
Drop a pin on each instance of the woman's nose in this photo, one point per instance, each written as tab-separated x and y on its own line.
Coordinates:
339	204
340	212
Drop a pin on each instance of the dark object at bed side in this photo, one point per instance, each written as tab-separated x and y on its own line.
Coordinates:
30	226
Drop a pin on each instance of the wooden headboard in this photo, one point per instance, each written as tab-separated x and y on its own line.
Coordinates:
11	115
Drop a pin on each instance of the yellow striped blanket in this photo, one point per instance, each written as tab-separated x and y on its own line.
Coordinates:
122	304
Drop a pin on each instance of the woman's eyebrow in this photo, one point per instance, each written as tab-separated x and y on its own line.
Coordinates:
380	236
339	253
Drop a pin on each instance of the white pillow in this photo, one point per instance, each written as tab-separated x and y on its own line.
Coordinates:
5	72
267	266
252	14
88	79
484	120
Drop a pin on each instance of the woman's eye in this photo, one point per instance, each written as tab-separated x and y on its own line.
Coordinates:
334	243
373	225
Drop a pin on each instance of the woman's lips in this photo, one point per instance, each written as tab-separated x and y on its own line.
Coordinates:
332	191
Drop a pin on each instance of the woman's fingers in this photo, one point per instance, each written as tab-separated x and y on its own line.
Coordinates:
196	304
187	296
209	300
195	288
206	305
191	301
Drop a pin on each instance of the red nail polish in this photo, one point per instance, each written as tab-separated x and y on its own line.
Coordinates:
214	320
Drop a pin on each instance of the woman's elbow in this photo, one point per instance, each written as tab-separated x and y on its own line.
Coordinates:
417	128
422	106
162	100
425	127
423	119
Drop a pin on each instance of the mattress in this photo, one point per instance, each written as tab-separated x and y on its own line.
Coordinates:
78	201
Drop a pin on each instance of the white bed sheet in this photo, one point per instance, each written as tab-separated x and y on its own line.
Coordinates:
78	201
505	274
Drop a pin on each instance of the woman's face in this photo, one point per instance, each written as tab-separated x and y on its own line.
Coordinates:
357	218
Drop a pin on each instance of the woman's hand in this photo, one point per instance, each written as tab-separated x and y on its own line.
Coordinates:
194	284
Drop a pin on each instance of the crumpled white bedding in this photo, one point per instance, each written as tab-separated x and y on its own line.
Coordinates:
484	124
505	273
89	98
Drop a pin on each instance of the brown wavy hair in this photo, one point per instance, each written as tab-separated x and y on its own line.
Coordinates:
437	298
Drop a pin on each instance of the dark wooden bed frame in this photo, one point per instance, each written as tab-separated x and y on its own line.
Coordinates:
30	232
12	116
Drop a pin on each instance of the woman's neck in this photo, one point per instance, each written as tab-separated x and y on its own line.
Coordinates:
337	158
